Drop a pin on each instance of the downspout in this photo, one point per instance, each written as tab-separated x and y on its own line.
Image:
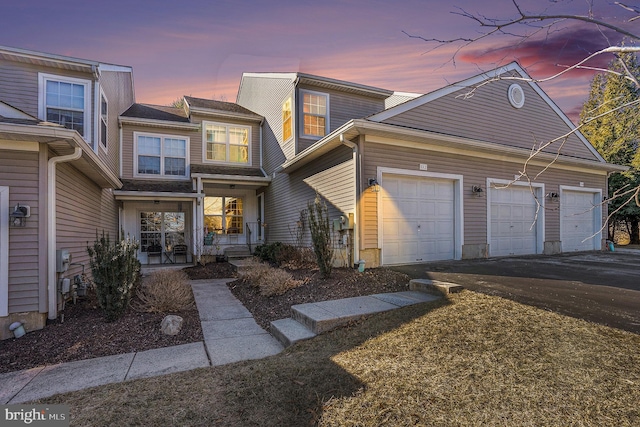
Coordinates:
52	232
356	195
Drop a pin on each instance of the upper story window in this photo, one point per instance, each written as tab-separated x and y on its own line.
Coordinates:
287	122
315	114
161	155
103	120
66	101
226	143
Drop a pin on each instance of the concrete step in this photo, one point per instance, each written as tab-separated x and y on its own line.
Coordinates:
289	331
434	286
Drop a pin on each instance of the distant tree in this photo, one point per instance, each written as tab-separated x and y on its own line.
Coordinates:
616	136
178	102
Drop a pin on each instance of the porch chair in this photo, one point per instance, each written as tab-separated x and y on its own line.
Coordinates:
154	250
180	250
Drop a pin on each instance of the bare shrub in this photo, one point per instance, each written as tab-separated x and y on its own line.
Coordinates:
271	281
164	291
300	258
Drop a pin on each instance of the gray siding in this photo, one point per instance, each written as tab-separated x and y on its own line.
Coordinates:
475	171
342	108
82	209
332	176
19	171
488	116
265	96
118	89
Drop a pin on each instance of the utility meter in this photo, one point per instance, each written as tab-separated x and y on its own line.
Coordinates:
63	259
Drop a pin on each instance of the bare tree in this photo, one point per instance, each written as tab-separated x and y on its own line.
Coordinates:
523	26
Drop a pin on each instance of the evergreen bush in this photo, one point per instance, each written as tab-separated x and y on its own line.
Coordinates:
321	235
115	269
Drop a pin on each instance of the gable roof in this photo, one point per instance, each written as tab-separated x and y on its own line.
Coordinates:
324	82
156	112
229	109
512	71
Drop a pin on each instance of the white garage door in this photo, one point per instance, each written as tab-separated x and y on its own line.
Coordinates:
579	213
417	219
513	217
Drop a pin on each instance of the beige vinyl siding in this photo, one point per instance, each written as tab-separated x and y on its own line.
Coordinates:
118	89
265	96
197	139
488	116
82	209
475	171
342	108
333	176
19	171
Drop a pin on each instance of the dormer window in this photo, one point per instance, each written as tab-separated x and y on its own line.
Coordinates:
315	114
66	101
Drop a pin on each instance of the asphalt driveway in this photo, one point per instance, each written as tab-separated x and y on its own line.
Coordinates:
599	287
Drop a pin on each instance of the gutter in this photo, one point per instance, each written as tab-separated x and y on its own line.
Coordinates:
52	287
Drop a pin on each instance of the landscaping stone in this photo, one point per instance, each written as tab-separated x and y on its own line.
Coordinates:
171	325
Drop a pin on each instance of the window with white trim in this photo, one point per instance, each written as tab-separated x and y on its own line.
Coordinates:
223	215
66	101
103	120
315	114
226	143
161	155
287	120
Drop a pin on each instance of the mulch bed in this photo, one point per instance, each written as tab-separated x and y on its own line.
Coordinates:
85	334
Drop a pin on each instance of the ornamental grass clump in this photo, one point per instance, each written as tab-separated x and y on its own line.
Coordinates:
115	269
271	281
164	291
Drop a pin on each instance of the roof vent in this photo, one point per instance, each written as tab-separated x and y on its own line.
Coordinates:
516	95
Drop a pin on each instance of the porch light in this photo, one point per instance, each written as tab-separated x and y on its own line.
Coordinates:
477	191
373	185
18	218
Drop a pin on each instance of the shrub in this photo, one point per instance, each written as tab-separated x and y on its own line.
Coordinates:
321	235
268	252
164	291
271	281
115	269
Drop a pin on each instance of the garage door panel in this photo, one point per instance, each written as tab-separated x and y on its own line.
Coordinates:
579	221
513	216
418	219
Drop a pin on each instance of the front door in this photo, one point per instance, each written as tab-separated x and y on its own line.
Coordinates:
160	232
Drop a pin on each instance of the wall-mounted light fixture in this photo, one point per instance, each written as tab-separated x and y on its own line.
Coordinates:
553	196
373	185
477	191
18	218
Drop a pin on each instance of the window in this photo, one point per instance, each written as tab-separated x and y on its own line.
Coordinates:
315	114
66	101
103	120
287	124
223	215
164	229
161	155
226	143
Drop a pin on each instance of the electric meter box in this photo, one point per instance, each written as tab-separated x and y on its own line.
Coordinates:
63	259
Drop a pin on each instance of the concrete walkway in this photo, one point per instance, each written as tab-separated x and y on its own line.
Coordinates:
230	335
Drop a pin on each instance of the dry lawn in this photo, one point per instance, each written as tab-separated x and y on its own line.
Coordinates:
469	361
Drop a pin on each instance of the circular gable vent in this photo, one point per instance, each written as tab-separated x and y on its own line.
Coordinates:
516	95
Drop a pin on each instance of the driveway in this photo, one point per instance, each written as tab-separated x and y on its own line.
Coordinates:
598	287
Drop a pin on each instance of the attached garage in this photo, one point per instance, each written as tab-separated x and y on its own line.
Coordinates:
512	225
420	218
580	219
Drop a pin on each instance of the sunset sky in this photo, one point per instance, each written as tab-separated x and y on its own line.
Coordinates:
200	48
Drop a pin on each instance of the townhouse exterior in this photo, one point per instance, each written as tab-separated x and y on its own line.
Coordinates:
407	177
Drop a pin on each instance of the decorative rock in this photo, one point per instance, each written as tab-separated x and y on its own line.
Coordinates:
171	325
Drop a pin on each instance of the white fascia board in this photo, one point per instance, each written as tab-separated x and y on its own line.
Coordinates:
115	68
288	76
158	123
225	114
153	195
226	178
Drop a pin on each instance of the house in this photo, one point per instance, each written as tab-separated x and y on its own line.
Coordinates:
59	165
406	177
